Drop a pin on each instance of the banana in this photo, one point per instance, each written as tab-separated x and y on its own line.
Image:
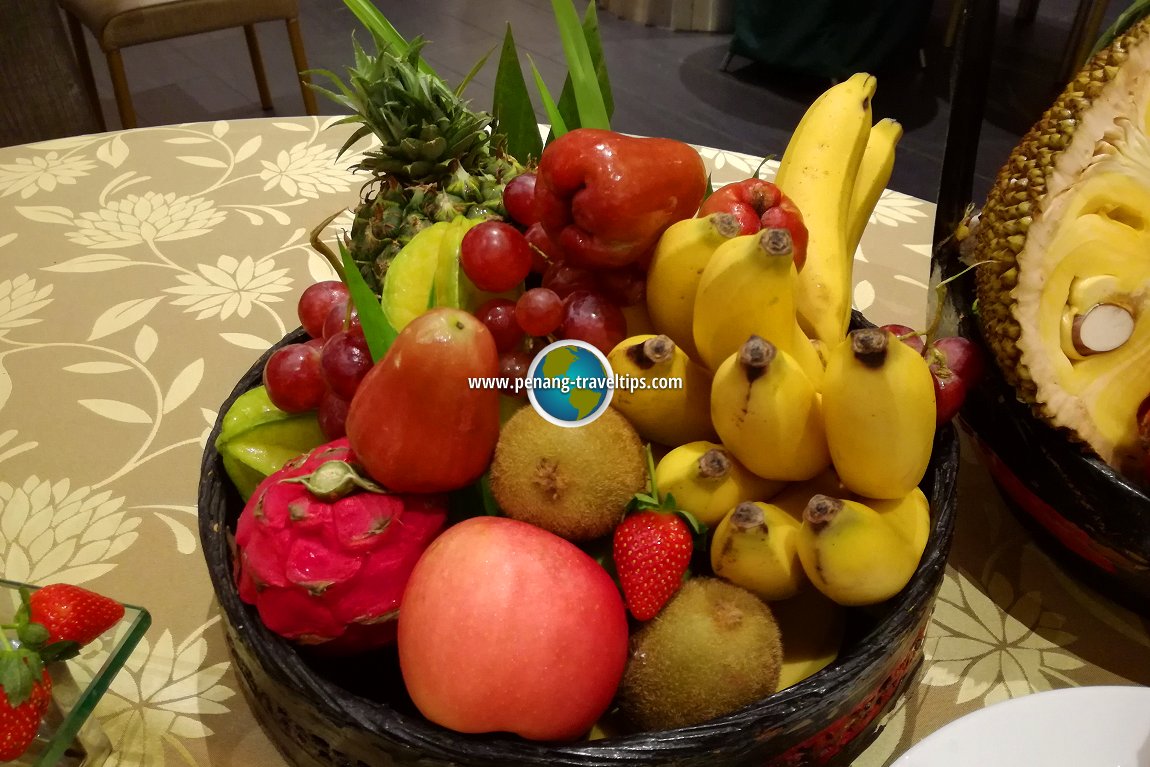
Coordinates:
852	554
818	172
794	498
910	515
755	547
638	320
707	481
873	176
680	256
878	402
669	416
812	627
767	413
748	288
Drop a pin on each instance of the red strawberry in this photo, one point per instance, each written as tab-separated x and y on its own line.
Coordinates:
20	715
652	551
73	614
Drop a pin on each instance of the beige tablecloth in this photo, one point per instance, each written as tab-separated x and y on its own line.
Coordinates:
142	272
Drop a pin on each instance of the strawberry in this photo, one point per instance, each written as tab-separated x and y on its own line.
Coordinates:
23	701
72	614
652	551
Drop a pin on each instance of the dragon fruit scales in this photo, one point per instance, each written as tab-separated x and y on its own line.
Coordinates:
324	553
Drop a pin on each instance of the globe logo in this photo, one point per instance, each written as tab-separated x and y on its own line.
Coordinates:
569	383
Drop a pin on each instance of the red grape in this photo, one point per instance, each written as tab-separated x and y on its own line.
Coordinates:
338	319
514	366
949	393
498	314
316	301
519	199
962	356
544	251
292	378
908	336
626	287
592	318
565	279
345	361
495	256
332	415
539	311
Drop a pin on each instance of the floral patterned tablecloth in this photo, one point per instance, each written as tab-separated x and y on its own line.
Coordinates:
142	272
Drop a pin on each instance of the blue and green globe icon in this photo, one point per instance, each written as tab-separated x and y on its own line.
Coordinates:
569	383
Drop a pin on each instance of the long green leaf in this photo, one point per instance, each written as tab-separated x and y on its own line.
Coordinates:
558	126
580	67
512	108
1125	20
382	31
377	331
567	106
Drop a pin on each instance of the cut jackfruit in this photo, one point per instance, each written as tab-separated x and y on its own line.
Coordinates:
1065	230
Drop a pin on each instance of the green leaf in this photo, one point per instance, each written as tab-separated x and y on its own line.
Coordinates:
32	633
490	505
580	67
512	108
20	670
431	299
472	73
377	331
382	30
567	106
1125	20
558	125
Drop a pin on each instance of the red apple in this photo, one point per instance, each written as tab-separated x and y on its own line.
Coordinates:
416	422
505	627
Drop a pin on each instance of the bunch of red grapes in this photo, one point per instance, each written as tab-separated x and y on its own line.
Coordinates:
323	372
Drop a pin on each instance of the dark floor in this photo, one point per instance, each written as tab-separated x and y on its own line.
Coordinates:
665	83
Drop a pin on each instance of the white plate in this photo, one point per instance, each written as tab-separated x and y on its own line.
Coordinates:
1073	727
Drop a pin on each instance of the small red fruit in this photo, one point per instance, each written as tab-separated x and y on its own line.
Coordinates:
519	199
908	336
495	256
964	358
652	550
20	722
73	614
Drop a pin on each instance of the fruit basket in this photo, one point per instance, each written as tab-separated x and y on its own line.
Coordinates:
320	712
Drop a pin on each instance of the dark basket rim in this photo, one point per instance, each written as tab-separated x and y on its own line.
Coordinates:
280	657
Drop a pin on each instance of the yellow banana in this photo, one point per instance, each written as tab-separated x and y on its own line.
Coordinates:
707	481
676	266
755	547
767	413
669	416
873	176
818	172
852	554
878	401
910	515
638	320
748	288
812	628
794	498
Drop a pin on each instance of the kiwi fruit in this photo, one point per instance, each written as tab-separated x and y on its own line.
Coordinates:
714	648
573	481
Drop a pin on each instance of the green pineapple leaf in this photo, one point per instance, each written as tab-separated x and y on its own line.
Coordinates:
472	73
567	106
1125	20
581	67
377	331
558	125
382	30
512	108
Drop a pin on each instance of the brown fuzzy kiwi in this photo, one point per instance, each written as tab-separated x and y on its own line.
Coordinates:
713	649
575	482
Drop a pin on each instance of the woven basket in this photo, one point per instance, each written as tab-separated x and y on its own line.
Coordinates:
321	714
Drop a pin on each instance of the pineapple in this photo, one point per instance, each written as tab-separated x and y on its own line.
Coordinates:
1064	301
436	158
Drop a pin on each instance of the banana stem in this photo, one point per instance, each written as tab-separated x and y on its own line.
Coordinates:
714	463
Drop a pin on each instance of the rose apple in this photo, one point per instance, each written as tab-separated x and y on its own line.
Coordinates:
506	627
416	422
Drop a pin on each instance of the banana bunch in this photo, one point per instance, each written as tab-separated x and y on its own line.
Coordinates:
707	481
860	553
756	547
669	417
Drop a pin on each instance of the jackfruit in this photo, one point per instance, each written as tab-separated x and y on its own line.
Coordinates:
1063	297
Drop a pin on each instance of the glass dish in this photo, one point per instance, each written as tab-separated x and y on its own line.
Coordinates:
68	736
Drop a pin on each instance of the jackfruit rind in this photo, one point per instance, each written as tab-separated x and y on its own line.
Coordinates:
1070	205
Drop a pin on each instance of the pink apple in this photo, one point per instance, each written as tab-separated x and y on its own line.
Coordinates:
505	627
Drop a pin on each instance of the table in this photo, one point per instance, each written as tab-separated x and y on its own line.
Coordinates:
142	272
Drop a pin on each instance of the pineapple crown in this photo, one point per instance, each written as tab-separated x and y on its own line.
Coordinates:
425	129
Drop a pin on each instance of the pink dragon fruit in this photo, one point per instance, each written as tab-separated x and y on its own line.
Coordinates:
324	554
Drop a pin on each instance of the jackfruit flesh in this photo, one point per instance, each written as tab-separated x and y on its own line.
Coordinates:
1065	229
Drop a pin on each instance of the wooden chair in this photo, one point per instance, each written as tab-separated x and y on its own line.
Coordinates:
118	24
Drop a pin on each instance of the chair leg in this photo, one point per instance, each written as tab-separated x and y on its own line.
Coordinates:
258	66
120	87
297	52
85	61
